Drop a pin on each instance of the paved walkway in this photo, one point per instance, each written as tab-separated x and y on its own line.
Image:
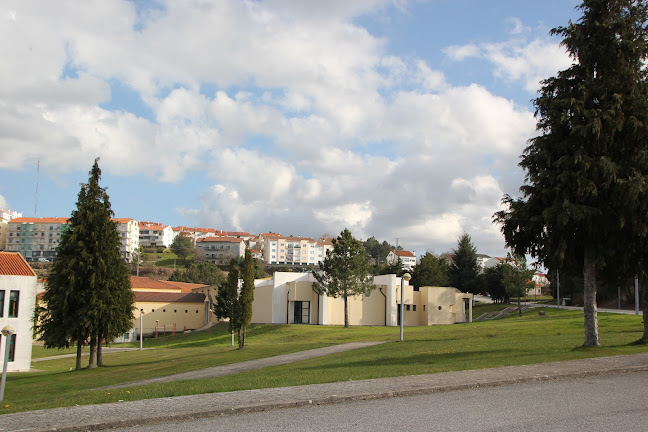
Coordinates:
106	416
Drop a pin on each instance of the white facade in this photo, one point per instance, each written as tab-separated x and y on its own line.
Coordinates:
128	230
17	302
295	250
152	234
407	258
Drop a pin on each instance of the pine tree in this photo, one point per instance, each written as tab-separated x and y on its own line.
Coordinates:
344	271
88	292
246	298
583	204
227	297
430	271
464	268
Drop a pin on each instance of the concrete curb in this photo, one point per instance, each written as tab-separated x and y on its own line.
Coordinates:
152	411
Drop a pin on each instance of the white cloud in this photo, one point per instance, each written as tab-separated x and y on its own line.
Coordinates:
3	203
295	118
517	59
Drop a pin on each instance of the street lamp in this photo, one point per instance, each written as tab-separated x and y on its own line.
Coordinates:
141	327
7	331
405	277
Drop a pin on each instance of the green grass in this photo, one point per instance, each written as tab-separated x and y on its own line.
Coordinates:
511	341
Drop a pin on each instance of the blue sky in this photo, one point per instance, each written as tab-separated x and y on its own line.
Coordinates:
398	119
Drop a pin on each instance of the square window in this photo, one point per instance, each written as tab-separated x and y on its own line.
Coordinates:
407	307
413	308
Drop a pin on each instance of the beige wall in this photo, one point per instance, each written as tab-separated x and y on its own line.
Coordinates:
363	310
262	305
445	305
168	314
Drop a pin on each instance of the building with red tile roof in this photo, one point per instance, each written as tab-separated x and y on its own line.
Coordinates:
17	301
407	258
219	250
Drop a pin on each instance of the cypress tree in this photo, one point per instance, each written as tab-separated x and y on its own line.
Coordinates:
88	292
246	298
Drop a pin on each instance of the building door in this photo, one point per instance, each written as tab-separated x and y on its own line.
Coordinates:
302	312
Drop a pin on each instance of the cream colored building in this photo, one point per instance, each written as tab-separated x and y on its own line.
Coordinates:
17	302
152	234
166	307
5	217
291	298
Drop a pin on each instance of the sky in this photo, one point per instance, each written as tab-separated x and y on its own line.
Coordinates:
399	119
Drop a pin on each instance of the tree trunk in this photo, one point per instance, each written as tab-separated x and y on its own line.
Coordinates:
99	353
93	353
643	286
346	313
239	338
78	356
519	306
592	337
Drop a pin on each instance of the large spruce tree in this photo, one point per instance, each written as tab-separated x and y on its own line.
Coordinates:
344	271
464	268
88	292
582	205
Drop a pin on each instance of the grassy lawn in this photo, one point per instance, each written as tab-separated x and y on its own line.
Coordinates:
511	341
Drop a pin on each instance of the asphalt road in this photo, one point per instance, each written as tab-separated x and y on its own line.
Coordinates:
615	402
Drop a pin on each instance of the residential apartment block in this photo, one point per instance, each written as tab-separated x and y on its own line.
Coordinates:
153	234
36	239
295	250
5	217
219	250
129	237
407	258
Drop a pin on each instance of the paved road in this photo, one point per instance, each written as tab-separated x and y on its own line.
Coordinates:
160	411
599	403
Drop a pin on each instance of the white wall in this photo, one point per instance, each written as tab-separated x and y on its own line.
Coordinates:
23	324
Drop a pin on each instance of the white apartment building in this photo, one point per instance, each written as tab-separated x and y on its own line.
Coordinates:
195	233
153	234
128	230
5	217
407	258
295	250
219	250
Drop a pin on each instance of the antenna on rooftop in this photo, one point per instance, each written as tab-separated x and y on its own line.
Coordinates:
36	201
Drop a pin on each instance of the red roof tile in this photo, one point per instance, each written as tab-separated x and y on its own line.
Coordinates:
144	282
185	287
13	264
40	220
404	253
219	239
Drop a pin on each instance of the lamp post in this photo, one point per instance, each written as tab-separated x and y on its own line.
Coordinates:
141	327
405	277
7	331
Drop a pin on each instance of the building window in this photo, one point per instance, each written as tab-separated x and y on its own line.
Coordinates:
14	297
2	296
423	308
413	308
407	307
163	310
12	347
302	312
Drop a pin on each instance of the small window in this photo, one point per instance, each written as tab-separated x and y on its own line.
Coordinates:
12	347
196	310
152	310
440	308
2	296
413	308
163	310
14	297
175	310
407	307
186	311
423	308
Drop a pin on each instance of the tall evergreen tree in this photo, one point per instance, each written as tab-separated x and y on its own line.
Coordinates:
430	271
583	204
227	297
344	271
464	268
88	292
246	298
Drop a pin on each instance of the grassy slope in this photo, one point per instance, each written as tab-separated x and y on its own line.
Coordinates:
512	341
